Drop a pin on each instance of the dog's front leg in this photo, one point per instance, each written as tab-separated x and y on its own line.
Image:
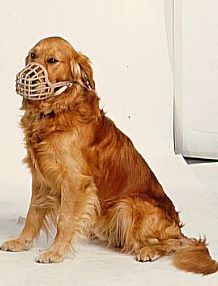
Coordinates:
33	222
78	212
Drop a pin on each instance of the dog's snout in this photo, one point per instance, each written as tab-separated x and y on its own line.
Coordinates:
30	75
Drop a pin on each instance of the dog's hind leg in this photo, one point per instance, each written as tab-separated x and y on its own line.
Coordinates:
140	228
158	249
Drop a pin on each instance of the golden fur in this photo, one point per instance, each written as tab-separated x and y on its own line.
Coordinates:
87	177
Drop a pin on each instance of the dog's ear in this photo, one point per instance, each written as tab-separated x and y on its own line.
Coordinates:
81	70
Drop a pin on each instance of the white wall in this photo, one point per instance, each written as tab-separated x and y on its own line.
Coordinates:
197	77
127	43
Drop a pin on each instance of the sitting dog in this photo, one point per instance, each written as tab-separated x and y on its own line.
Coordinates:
87	177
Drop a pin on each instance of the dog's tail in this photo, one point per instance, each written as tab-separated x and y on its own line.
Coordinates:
193	256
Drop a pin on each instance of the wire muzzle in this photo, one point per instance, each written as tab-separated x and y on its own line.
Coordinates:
33	83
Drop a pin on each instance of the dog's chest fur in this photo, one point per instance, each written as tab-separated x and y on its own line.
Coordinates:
50	150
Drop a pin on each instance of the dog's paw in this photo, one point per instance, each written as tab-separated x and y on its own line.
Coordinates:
147	254
49	256
14	245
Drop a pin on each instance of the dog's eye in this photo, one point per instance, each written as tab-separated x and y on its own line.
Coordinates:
52	60
33	55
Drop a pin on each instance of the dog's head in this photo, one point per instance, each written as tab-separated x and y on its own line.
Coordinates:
61	62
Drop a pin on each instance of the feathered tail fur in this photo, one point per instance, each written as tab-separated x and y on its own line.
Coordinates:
193	256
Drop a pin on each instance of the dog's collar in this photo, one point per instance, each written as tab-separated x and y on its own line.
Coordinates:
49	115
43	116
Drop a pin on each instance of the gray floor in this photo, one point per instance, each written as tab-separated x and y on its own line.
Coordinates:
191	161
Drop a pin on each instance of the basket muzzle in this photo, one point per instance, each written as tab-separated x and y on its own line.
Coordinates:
33	83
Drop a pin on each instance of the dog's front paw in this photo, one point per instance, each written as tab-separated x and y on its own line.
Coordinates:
14	245
50	256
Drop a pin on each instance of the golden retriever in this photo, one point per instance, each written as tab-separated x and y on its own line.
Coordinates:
87	177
